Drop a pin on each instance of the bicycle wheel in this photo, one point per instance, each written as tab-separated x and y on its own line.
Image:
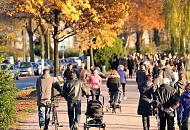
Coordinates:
56	123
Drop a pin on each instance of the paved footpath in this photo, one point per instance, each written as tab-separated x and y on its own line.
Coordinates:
126	120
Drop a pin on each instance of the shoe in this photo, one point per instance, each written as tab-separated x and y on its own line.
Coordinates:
42	127
76	127
125	98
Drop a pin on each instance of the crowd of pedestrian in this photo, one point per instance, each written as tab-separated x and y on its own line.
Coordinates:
161	80
164	88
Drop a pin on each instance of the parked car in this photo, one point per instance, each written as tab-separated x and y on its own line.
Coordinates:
26	69
37	68
73	60
47	64
11	70
15	71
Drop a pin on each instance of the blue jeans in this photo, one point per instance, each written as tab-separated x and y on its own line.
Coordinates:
44	116
74	112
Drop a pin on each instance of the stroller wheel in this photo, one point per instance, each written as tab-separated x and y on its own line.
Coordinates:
104	126
85	127
107	108
120	109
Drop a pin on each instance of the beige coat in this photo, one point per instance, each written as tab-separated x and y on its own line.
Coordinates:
44	87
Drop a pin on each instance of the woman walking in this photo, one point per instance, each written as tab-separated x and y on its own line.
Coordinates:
95	82
123	78
113	85
144	107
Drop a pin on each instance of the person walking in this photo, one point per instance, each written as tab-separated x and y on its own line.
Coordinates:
141	75
183	112
95	82
168	71
73	91
145	100
68	72
123	79
130	65
166	100
158	81
180	84
113	84
44	87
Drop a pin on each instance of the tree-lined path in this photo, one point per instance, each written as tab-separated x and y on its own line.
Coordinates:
126	120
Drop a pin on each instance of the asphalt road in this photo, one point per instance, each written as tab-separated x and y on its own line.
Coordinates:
25	82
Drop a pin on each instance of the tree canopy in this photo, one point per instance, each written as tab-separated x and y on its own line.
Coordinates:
145	15
109	25
177	15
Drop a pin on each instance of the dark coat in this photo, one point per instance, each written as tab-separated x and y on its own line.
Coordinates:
113	84
146	95
167	97
130	64
140	77
74	90
183	111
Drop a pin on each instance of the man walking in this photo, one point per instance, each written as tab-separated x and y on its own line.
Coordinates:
73	91
44	87
167	101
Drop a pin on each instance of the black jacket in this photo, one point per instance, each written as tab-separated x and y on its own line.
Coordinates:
140	77
167	97
146	95
68	74
74	90
113	84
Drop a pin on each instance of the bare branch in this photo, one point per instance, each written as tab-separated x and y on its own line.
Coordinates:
73	32
65	37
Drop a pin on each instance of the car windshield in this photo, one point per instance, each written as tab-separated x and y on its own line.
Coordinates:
34	65
12	67
3	67
25	65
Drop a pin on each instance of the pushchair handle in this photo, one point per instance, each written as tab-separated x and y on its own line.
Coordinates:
88	98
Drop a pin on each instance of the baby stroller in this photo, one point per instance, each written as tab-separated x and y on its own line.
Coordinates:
94	114
115	102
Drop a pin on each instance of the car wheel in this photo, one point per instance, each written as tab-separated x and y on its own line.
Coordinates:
17	78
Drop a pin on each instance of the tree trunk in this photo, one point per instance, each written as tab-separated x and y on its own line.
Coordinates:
42	40
173	47
156	37
47	44
30	35
56	42
138	42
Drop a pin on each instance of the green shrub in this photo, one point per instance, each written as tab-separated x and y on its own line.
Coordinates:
103	56
7	99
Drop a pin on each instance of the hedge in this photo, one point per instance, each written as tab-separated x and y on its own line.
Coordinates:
7	99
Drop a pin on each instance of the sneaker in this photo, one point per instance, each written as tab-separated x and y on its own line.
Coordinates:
76	127
42	127
125	98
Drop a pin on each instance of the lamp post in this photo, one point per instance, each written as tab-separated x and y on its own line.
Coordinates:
91	52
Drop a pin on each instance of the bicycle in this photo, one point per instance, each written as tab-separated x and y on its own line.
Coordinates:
54	105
